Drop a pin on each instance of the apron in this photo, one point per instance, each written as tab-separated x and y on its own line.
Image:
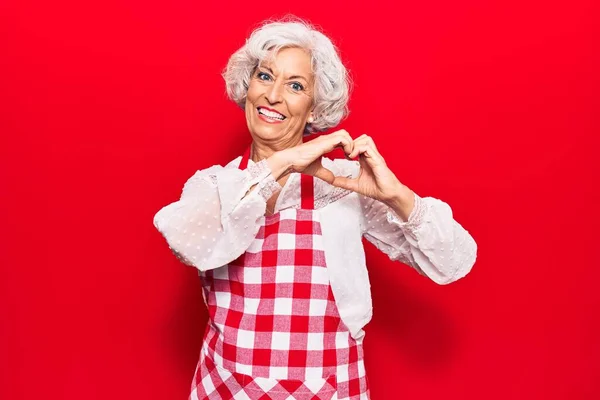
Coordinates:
274	331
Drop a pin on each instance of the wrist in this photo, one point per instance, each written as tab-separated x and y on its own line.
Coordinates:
279	163
402	203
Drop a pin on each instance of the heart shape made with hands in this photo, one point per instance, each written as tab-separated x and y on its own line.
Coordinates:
374	180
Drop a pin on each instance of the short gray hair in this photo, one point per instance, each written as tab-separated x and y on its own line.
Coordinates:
332	81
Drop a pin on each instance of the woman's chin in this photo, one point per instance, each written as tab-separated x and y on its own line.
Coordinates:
267	131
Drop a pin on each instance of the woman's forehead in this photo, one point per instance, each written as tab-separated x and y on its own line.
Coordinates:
290	61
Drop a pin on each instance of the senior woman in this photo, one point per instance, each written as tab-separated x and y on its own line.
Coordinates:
279	252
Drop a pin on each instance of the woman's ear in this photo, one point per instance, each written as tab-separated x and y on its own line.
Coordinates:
311	118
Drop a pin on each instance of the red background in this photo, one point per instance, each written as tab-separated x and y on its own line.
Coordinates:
106	109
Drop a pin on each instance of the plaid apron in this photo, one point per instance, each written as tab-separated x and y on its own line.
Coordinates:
274	331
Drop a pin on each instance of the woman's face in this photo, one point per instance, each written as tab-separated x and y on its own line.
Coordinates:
280	96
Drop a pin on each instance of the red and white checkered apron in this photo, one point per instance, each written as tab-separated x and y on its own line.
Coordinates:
274	330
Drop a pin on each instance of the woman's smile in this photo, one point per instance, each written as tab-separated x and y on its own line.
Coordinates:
269	115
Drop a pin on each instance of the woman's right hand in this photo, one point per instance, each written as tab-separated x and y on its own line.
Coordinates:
306	158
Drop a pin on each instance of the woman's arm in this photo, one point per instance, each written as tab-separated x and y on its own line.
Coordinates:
430	241
420	232
216	217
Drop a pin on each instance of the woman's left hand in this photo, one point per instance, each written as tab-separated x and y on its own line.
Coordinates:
375	179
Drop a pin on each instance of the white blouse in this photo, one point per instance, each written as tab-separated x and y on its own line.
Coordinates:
216	220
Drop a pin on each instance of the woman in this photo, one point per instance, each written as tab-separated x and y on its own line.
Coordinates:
279	252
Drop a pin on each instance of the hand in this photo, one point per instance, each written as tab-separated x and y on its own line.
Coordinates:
375	179
306	158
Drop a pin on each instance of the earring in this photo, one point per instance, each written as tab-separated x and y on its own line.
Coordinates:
310	120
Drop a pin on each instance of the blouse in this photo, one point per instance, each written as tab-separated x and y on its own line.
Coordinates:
216	219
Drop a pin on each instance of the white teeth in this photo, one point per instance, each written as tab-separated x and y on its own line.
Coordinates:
271	114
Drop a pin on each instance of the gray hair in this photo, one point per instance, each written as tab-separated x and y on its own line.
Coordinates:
332	82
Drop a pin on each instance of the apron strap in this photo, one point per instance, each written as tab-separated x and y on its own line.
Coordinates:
307	191
245	158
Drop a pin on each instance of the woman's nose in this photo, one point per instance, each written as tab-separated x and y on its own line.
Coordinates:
274	93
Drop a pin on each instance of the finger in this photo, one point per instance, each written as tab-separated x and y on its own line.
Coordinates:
373	153
324	174
344	134
366	154
343	141
345	183
341	132
362	139
369	140
362	148
356	141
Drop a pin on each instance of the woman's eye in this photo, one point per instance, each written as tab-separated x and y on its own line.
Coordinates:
263	77
296	86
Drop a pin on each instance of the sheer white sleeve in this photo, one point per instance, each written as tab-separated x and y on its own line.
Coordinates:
216	219
430	241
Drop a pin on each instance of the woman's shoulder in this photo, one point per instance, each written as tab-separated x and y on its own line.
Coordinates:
210	173
235	163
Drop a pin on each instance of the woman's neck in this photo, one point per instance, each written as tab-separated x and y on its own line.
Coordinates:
261	149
